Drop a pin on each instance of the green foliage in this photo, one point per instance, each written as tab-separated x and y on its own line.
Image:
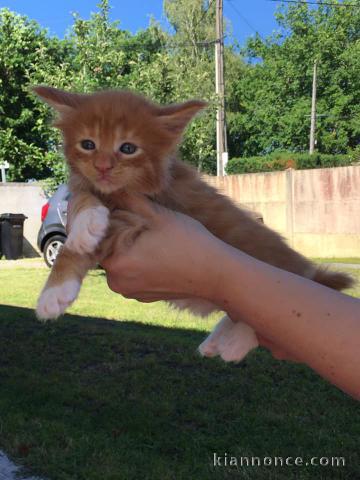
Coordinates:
267	100
25	136
97	54
274	96
279	160
58	172
193	67
355	155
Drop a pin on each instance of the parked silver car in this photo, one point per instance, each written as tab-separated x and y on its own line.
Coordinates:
52	233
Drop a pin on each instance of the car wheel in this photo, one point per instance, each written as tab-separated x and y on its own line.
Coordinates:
52	248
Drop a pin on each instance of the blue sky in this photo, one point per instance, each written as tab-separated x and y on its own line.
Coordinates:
246	16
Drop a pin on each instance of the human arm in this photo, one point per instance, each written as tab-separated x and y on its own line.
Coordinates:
178	258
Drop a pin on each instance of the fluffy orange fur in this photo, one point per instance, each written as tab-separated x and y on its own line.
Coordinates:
101	175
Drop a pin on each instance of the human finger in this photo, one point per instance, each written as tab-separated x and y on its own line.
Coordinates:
141	205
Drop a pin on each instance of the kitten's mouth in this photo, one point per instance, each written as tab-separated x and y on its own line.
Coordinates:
105	179
105	184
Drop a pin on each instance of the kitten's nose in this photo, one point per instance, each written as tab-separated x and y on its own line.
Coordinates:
103	168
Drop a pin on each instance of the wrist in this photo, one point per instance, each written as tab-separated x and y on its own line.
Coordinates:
217	265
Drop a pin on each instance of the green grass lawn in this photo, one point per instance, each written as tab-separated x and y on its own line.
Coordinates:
338	260
116	391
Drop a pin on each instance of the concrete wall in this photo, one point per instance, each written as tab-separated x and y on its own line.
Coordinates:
318	211
26	198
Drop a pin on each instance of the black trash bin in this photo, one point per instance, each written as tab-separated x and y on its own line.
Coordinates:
12	234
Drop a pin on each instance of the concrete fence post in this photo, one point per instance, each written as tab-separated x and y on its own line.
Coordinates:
290	205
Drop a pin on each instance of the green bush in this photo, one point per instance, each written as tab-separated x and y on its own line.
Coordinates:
355	155
282	160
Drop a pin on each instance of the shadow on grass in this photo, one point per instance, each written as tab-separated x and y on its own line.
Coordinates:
90	398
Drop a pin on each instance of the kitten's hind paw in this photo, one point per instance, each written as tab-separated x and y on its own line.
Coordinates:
209	347
88	229
54	301
237	342
231	340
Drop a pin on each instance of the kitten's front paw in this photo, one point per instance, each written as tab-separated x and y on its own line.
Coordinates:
88	229
54	301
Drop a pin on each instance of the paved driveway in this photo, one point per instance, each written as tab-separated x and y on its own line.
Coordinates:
9	471
23	263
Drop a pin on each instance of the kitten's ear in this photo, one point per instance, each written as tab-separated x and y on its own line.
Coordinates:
62	101
175	117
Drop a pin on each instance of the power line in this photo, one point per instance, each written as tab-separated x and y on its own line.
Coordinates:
326	116
205	43
299	2
139	45
204	14
244	19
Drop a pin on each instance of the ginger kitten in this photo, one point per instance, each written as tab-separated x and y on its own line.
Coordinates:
118	142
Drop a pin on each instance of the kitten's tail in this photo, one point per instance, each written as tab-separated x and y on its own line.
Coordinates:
335	280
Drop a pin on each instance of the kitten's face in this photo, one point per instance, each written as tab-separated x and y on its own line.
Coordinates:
119	140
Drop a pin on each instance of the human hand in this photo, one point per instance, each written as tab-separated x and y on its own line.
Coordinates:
175	258
168	261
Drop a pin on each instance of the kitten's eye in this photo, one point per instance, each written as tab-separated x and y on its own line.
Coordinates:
88	145
128	148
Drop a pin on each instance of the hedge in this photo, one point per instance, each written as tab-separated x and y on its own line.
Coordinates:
284	160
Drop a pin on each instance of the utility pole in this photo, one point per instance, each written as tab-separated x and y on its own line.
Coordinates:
221	142
313	111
